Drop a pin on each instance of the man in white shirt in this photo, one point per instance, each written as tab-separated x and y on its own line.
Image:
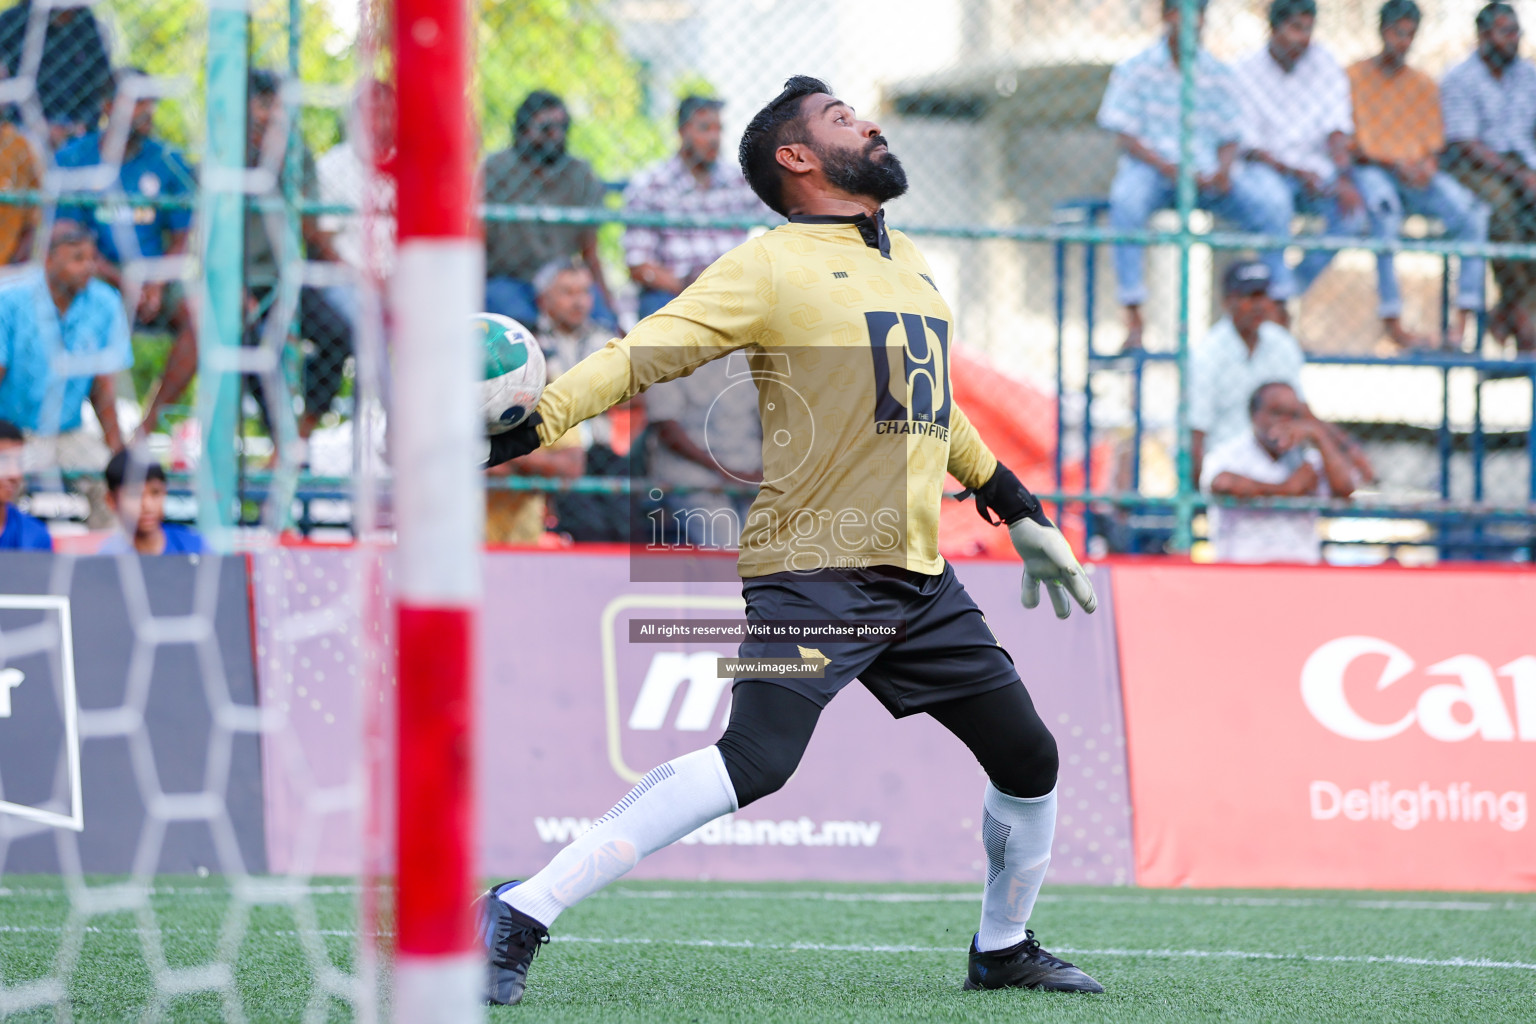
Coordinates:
1245	350
1288	453
1297	129
354	173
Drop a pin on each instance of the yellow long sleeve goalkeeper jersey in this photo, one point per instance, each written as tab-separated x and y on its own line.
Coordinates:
840	328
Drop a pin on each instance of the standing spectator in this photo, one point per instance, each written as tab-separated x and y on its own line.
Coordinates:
1398	139
72	72
1244	350
319	322
537	170
17	529
150	169
136	492
707	434
664	261
1489	103
63	339
356	172
1142	106
1286	453
1297	127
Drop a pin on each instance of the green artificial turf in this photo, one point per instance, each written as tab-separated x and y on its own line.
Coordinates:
825	952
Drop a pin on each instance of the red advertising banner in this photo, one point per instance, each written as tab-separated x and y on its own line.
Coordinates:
1317	727
587	685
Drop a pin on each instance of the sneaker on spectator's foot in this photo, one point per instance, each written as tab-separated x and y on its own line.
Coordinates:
1025	965
511	938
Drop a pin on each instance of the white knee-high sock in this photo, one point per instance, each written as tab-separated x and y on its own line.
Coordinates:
1017	833
670	802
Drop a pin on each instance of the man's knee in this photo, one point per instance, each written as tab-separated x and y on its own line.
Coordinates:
756	770
1031	772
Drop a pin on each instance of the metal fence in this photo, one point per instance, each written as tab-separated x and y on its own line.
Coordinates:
1024	173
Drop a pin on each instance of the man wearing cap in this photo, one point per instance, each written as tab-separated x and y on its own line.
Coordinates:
1246	349
664	261
1141	106
537	170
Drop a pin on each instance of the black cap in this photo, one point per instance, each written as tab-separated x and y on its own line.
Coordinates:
1250	277
693	104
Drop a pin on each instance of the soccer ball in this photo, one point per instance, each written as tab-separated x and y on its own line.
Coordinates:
514	372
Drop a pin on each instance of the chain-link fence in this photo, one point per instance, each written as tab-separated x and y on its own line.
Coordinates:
1368	155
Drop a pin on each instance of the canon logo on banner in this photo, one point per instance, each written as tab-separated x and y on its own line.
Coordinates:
1476	691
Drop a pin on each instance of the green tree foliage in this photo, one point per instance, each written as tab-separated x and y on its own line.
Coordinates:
570	48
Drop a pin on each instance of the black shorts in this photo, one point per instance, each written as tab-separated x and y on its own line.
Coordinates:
947	650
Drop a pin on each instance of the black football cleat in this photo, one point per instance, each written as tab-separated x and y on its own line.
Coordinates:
1025	965
511	938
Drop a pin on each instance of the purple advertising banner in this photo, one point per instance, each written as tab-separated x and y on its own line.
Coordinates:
573	711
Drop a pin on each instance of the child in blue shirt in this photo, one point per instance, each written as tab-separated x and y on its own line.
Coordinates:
17	529
136	492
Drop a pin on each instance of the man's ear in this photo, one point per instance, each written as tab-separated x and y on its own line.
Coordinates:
797	158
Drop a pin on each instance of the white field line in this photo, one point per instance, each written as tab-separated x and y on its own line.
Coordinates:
823	947
1126	899
1070	898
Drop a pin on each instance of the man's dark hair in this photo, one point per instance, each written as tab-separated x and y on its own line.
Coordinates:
1282	11
1256	399
124	466
777	124
263	82
10	431
692	104
1394	11
536	102
1492	13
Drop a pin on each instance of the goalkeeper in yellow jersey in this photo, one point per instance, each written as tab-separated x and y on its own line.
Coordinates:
847	341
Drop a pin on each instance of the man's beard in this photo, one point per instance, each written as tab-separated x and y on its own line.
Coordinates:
540	152
859	173
1495	57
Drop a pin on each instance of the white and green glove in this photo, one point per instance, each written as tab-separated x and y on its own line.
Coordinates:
1047	556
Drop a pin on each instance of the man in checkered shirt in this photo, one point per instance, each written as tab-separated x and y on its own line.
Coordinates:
664	261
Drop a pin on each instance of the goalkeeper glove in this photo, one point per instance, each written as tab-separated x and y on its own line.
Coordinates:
1047	556
511	444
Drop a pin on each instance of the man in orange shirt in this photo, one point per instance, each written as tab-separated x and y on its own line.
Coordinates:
1399	135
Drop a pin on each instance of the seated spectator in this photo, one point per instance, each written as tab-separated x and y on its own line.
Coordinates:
568	334
328	331
706	434
20	171
356	172
537	170
63	339
1297	127
1142	105
150	169
72	73
1246	349
1398	139
521	517
17	529
136	492
1287	453
1489	105
664	261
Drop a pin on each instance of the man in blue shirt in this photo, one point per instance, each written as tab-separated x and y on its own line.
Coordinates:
17	529
148	169
63	339
136	492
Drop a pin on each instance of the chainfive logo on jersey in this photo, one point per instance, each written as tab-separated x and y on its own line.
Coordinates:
1472	705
